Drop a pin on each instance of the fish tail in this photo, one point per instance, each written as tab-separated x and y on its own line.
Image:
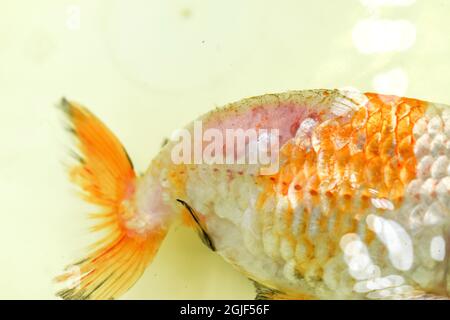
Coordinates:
104	173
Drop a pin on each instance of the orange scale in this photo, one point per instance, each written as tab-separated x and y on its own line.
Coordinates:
417	113
309	167
406	148
346	191
415	103
382	186
325	163
358	140
387	111
396	191
372	170
360	118
365	202
390	173
372	108
387	148
372	148
404	128
403	109
343	159
344	129
373	125
312	185
388	126
407	172
291	151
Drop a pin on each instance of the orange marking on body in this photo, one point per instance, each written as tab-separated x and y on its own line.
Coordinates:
288	222
353	160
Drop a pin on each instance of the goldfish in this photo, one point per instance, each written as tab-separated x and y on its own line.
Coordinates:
313	194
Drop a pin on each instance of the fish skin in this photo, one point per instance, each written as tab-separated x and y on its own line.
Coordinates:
359	208
380	160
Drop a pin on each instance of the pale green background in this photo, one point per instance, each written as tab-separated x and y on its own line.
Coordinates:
149	67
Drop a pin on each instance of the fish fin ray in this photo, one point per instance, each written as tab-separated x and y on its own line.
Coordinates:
266	293
104	173
201	230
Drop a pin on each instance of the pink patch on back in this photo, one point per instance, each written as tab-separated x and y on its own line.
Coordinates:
286	118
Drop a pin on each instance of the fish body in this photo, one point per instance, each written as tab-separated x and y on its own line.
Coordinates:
354	204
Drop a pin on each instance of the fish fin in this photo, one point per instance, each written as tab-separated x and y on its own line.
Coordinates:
428	297
164	142
201	230
266	293
104	174
412	295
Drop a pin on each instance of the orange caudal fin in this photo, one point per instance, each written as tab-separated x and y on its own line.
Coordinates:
105	175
